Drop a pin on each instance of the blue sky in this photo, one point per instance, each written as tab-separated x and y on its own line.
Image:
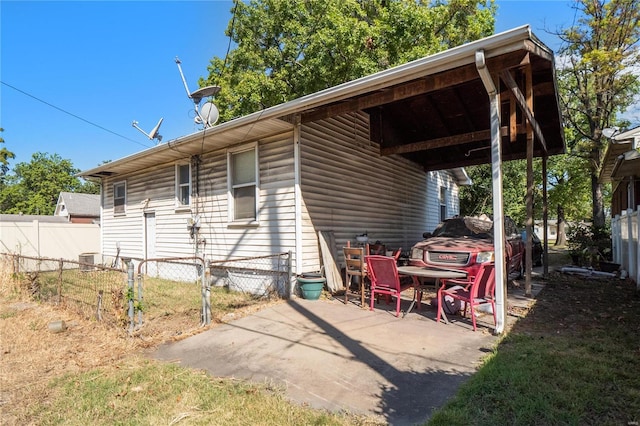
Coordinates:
105	64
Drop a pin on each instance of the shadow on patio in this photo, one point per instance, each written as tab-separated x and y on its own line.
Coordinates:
338	357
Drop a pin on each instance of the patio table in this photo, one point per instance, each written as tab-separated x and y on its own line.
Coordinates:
428	272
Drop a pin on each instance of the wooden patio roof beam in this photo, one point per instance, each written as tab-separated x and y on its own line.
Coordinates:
508	79
481	135
416	87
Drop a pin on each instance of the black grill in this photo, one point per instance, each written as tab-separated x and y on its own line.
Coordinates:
450	258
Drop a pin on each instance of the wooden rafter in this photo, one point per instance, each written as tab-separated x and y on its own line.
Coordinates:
460	75
482	135
507	78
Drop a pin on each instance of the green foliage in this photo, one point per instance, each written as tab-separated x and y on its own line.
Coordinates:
477	198
144	392
569	186
34	187
596	84
569	361
597	80
5	155
589	244
289	48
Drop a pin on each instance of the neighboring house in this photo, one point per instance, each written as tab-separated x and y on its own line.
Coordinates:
621	168
383	154
552	229
78	208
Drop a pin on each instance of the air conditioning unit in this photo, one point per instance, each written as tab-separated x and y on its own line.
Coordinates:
86	262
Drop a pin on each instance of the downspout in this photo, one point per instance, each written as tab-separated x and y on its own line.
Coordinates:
297	253
498	204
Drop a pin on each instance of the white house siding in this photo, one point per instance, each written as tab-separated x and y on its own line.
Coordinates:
348	188
276	230
436	180
149	191
153	191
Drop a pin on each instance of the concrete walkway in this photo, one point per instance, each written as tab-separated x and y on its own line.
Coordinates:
340	357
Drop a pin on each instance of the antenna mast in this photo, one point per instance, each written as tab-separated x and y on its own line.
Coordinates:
209	109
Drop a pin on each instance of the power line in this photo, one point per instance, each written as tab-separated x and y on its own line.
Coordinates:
73	115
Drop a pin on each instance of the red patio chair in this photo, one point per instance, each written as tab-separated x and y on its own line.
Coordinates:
383	274
476	291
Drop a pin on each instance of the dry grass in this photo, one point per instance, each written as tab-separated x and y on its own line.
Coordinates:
31	355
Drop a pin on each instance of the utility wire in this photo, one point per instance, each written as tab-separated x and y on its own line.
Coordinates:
226	55
73	115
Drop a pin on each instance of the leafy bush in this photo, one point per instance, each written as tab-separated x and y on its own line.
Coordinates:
588	244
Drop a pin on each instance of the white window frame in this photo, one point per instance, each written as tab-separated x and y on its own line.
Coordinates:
124	204
442	198
231	186
180	185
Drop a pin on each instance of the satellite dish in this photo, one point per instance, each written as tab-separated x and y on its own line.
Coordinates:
154	132
204	92
209	114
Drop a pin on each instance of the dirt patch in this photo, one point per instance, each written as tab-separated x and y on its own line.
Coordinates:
575	304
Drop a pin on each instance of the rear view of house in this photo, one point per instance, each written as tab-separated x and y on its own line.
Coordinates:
381	155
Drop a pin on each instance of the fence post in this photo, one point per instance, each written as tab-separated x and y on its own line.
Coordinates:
140	298
289	284
206	296
61	265
630	260
130	279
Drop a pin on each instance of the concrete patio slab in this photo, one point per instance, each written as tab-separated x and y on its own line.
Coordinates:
340	357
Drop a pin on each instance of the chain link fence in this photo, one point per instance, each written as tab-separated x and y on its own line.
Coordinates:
170	287
181	287
261	276
93	291
156	293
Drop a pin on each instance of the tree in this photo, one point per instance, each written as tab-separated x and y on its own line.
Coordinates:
5	155
289	48
569	189
477	198
567	180
34	187
597	81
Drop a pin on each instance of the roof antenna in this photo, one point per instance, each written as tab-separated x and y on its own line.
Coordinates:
154	132
207	115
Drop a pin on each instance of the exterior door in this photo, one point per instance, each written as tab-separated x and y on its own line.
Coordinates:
150	242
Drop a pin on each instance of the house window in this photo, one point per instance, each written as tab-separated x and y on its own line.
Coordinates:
243	184
119	197
443	203
183	184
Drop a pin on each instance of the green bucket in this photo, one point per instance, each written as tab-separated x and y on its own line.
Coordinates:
311	286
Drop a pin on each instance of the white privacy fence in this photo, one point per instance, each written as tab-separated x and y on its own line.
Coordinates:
49	239
625	229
